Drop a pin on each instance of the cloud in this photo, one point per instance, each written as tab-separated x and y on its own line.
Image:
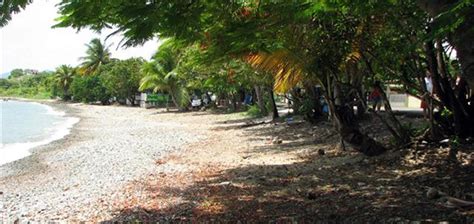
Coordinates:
28	41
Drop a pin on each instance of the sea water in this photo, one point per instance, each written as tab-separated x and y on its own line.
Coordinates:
25	125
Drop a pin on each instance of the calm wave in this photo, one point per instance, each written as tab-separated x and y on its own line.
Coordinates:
25	125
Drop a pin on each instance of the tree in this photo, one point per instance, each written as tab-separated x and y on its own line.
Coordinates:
121	78
64	76
97	54
89	89
9	7
455	19
336	44
161	74
15	73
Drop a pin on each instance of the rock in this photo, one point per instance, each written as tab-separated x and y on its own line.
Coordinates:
277	141
321	152
1	192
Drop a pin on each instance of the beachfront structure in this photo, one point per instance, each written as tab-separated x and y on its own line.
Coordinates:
399	99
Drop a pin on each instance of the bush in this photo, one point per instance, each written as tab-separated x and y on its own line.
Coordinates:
254	111
89	89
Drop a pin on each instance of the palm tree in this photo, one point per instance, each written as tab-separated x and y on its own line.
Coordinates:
157	79
64	76
161	74
97	54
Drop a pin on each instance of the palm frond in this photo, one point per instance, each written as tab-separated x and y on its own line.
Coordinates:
285	67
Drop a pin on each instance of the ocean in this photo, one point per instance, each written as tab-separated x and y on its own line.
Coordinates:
25	125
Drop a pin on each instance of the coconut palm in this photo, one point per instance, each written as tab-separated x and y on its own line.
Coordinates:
156	78
161	74
97	54
64	76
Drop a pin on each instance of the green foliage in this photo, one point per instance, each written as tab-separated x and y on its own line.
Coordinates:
9	7
38	86
16	73
64	76
97	54
451	16
89	89
254	111
446	113
163	74
121	77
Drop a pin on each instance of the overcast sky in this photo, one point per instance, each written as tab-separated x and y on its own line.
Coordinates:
28	41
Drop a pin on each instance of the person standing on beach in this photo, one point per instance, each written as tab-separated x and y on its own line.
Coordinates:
426	97
375	96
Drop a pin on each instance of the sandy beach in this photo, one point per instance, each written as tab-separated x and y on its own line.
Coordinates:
109	147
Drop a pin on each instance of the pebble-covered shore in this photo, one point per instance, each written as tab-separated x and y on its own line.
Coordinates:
109	147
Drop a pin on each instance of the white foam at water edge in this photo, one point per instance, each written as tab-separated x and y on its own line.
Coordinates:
16	151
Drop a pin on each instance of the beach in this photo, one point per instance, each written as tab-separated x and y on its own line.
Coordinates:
126	164
109	147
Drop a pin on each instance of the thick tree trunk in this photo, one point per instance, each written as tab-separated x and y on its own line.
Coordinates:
344	121
260	101
350	133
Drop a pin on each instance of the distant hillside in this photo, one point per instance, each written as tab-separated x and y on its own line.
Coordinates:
4	75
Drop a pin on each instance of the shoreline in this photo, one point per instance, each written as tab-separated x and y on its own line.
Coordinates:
107	149
19	150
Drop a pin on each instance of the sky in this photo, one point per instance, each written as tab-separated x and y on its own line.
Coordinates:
29	42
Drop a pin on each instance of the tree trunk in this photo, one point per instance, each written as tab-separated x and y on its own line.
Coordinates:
173	98
402	137
233	99
462	119
399	133
351	134
296	99
316	110
260	101
344	121
274	106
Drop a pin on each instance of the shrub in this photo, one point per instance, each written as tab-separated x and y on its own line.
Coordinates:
254	111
